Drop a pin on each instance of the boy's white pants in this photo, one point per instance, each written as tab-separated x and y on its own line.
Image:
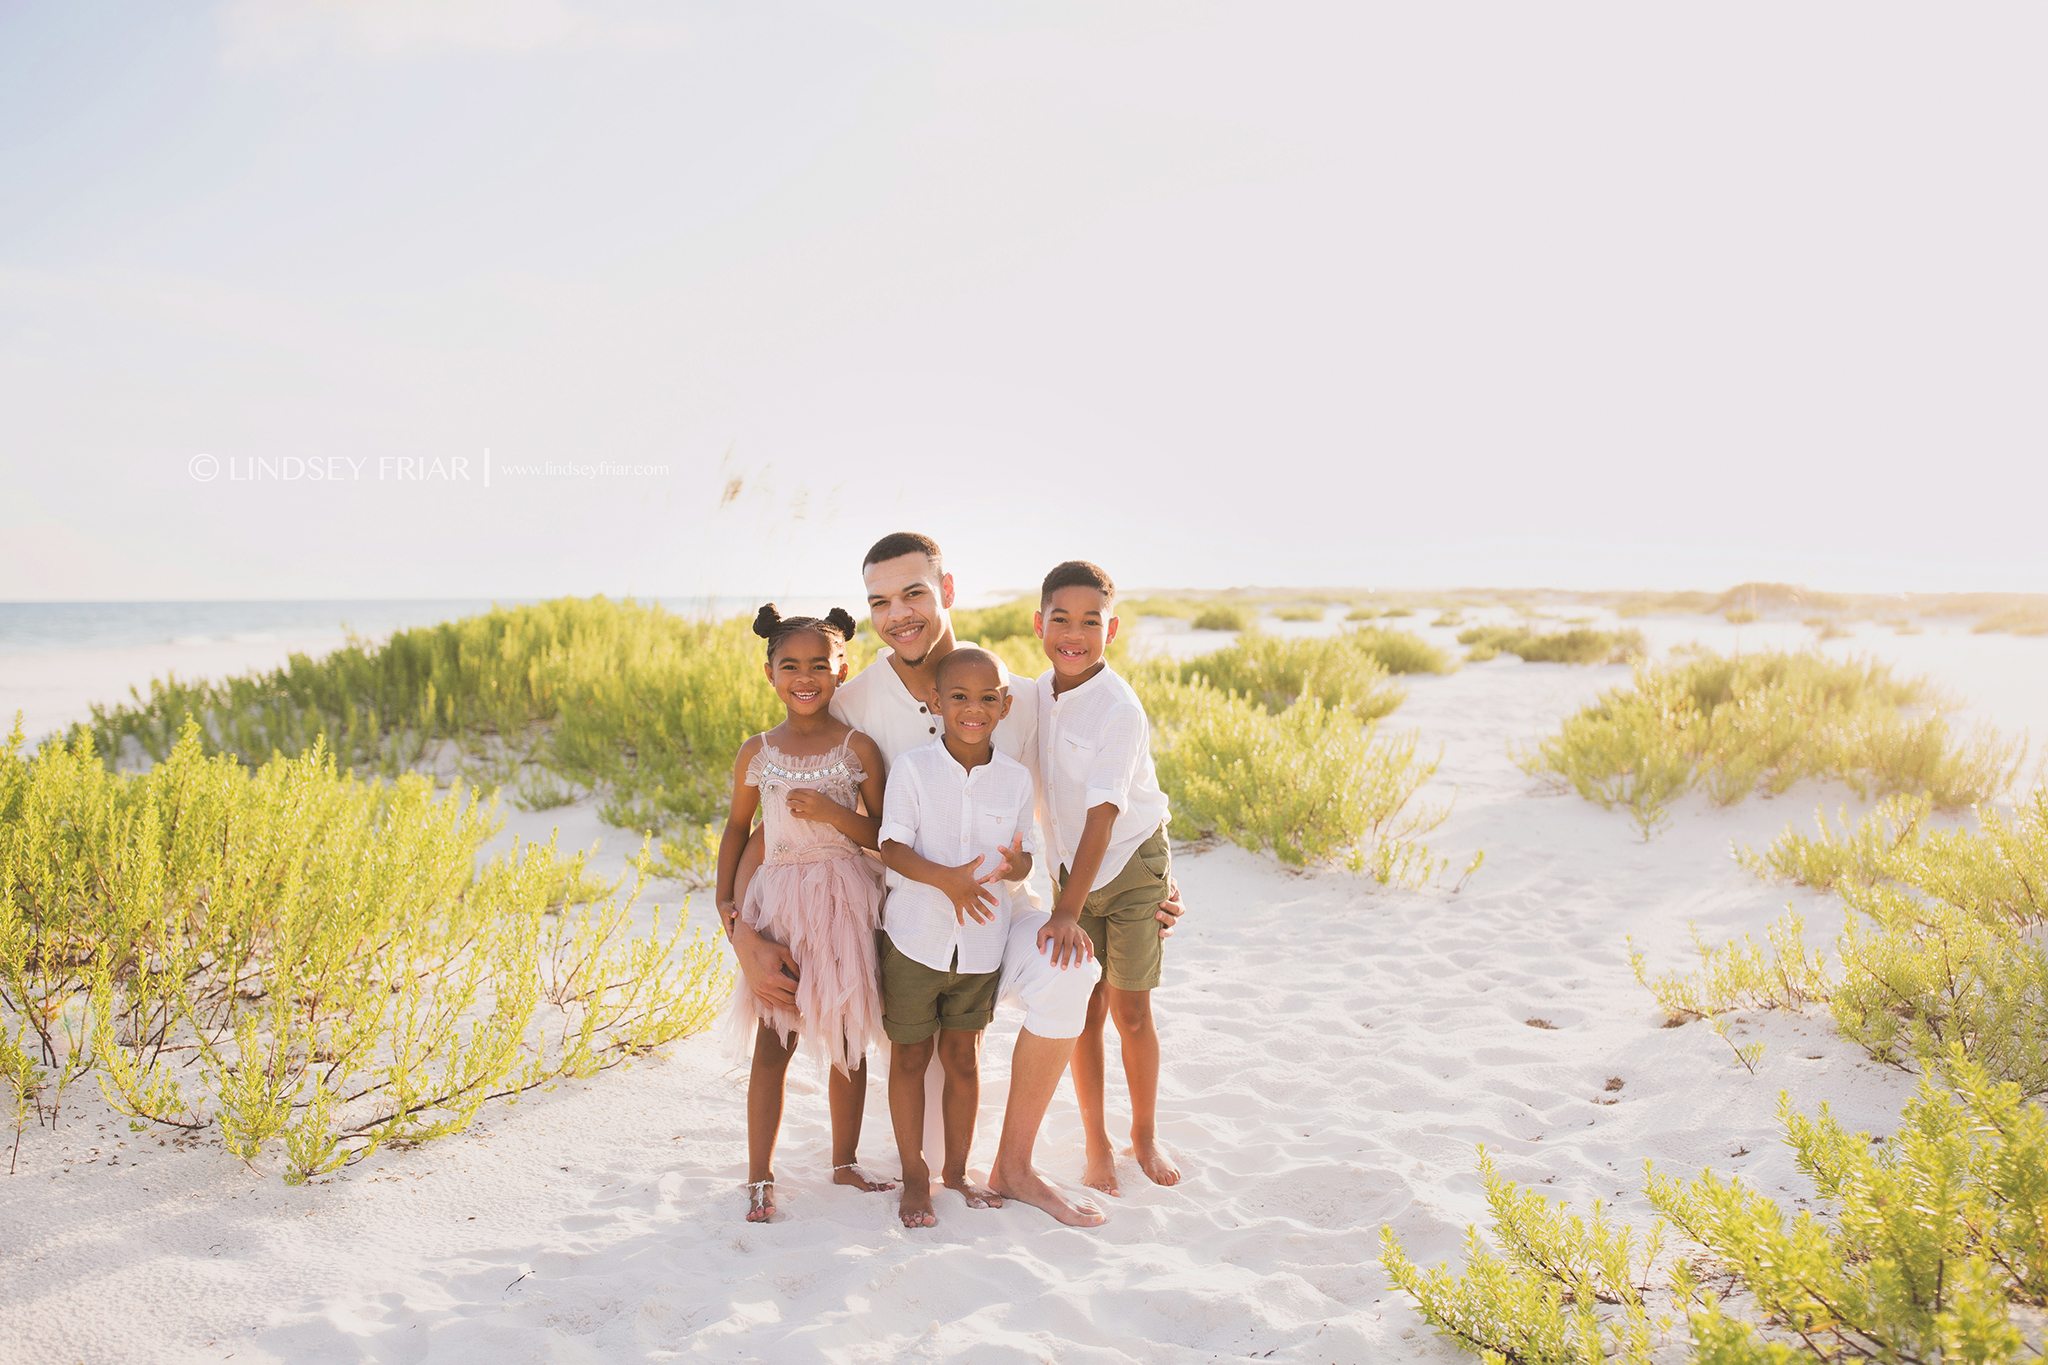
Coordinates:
1055	1004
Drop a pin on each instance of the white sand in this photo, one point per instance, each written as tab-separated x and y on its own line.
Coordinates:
1333	1053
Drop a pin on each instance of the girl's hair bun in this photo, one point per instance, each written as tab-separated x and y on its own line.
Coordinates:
766	620
840	619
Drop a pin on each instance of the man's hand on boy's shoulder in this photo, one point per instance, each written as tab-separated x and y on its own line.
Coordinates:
1170	909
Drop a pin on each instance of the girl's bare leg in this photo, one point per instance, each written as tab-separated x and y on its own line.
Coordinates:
849	1095
764	1119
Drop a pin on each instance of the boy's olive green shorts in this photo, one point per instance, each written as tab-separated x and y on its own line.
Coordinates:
1121	917
918	1001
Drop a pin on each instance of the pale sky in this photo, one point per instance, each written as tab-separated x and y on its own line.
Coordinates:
1577	295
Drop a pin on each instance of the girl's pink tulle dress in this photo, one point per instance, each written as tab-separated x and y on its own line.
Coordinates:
820	896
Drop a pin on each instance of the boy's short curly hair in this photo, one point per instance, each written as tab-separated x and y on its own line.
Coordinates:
1076	573
899	543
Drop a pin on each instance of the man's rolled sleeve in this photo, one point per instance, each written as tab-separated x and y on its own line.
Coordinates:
1116	762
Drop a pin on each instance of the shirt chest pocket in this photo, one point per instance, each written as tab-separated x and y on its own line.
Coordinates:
1075	757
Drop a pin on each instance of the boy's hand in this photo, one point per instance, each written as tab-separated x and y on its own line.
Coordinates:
970	894
1004	862
1070	946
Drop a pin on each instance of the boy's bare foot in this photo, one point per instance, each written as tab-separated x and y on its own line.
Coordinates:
1154	1162
852	1174
916	1211
760	1201
1100	1172
1028	1187
977	1195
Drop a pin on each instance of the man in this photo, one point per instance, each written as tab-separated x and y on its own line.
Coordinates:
910	599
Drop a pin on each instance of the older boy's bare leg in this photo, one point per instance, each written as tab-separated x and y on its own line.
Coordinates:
1100	1171
1035	1070
960	1059
1132	1011
907	1062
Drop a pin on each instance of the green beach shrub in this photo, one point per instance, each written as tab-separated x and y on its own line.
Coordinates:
1299	614
1731	726
1929	1242
1940	952
1578	645
305	959
1221	616
1363	614
1308	782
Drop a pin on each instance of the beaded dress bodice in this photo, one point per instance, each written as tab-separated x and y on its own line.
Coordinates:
836	773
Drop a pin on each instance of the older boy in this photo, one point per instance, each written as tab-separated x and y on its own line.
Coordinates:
1107	834
957	816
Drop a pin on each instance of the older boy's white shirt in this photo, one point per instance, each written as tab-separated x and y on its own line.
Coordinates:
953	815
875	702
1095	748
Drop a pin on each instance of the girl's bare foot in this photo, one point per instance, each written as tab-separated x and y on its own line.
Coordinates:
916	1211
1100	1172
977	1195
852	1174
760	1200
1028	1187
1154	1162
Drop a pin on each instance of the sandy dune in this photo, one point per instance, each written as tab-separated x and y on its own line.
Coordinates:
1334	1051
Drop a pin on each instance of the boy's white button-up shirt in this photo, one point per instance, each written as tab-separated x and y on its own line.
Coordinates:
1095	748
952	815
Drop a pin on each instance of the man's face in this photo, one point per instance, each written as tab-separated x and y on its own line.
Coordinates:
1076	626
971	699
907	604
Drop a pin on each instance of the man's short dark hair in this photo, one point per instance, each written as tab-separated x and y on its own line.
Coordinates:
901	543
1076	573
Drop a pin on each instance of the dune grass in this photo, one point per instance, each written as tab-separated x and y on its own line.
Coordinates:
1298	614
1930	1242
1307	782
2030	619
1578	645
299	958
1222	616
630	699
1363	614
1761	722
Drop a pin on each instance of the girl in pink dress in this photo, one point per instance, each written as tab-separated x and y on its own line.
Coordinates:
816	894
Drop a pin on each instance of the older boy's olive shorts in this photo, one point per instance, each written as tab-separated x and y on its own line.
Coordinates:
918	1001
1120	917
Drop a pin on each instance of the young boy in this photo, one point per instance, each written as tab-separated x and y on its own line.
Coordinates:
1106	823
956	823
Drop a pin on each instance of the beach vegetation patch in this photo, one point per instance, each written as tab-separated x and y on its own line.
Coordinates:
302	959
1307	782
2030	618
1298	613
1929	1240
1578	645
1730	726
1222	616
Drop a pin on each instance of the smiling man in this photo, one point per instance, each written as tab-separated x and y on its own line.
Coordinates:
910	597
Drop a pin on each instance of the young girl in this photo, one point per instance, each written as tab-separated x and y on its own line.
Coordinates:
815	893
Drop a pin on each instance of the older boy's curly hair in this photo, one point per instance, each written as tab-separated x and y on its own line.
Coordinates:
1076	573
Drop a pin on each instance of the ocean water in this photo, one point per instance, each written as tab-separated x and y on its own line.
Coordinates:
38	627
